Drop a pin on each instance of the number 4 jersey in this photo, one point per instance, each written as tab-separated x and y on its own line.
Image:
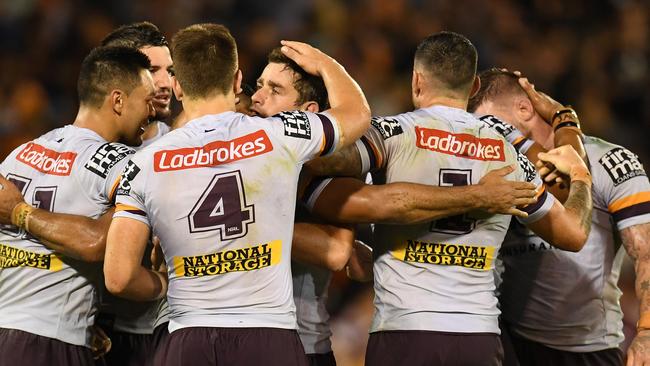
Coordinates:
439	275
220	194
68	170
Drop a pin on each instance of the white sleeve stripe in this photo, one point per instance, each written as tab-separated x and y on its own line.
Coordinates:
313	196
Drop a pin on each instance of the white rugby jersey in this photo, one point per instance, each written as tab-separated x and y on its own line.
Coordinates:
570	301
68	170
219	192
310	290
439	276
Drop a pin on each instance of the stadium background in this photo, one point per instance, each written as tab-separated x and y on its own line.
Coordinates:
594	55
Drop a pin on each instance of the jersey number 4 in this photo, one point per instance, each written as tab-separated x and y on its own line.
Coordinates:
223	207
459	224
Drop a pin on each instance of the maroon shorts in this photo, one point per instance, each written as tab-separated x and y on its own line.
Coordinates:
18	348
531	353
414	348
160	335
199	346
321	359
128	349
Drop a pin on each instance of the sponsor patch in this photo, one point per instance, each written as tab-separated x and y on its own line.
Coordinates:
214	153
622	165
529	169
387	127
105	158
444	254
130	172
462	144
16	257
47	161
227	261
504	129
296	124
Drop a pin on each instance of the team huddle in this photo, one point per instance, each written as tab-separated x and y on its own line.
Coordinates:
128	238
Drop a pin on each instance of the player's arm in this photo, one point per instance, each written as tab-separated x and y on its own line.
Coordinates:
124	274
322	245
344	163
636	240
74	236
567	227
348	104
349	200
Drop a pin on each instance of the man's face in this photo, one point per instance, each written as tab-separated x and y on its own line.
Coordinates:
162	70
137	110
275	91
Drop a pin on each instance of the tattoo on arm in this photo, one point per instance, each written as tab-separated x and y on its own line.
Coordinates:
636	242
345	162
579	199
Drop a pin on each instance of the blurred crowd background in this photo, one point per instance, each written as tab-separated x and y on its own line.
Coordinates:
592	54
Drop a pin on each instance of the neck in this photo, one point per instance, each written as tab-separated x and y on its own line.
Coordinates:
96	119
542	133
446	101
195	108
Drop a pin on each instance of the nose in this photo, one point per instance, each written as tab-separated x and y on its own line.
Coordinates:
258	96
163	80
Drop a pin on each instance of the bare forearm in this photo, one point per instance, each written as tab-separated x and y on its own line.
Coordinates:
144	285
579	204
322	245
75	236
635	240
570	136
343	163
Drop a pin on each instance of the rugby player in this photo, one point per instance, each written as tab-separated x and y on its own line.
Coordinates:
434	281
47	298
229	258
578	322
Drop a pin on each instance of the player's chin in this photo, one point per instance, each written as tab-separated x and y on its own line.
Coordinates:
162	111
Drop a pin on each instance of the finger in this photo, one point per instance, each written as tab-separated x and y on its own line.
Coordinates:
517	72
291	52
551	177
520	202
300	47
545	170
525	193
630	359
515	212
502	172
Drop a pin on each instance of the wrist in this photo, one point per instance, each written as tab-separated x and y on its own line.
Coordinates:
163	285
580	173
20	215
565	117
644	322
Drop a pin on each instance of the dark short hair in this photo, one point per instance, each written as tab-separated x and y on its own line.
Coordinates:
309	87
109	68
136	35
495	83
205	59
450	57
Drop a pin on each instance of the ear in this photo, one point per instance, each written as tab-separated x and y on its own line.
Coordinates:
237	84
310	106
178	91
524	109
117	100
476	86
416	83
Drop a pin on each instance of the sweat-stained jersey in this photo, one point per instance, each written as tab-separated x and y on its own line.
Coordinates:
570	301
219	192
439	276
68	170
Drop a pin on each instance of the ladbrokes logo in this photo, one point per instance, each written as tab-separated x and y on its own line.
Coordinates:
463	145
16	257
236	260
468	256
214	153
47	161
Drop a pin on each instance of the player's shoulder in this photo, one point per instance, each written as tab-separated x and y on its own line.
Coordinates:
614	162
390	126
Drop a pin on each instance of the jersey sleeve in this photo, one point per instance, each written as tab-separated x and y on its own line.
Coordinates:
511	134
107	163
130	201
378	142
308	135
545	199
625	186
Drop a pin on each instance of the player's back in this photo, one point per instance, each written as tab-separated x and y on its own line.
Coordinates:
68	170
438	275
220	194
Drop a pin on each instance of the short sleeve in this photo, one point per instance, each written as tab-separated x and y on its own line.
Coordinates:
107	162
511	134
545	200
625	187
308	135
130	193
378	142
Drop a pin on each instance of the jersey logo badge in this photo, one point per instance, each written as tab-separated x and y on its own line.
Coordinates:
105	158
47	161
296	124
387	127
462	145
529	170
130	172
622	165
497	125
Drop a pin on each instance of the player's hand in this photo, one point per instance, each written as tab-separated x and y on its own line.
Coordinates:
158	263
311	59
563	160
359	266
503	196
100	344
639	352
10	196
543	104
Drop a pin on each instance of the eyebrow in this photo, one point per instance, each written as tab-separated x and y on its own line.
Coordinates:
271	83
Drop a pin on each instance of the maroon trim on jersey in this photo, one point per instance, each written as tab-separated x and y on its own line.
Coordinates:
328	132
631	211
371	153
530	209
